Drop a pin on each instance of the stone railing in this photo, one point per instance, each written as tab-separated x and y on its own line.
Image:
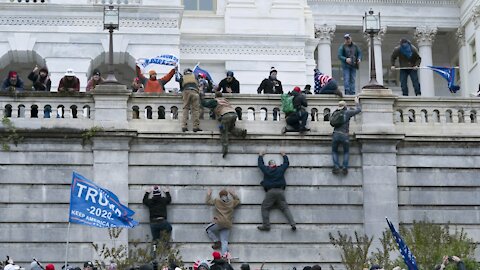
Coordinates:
262	113
47	105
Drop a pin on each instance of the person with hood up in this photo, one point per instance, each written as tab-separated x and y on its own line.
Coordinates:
157	206
219	230
41	80
409	60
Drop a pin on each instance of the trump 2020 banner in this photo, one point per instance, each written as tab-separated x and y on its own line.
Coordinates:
95	206
164	59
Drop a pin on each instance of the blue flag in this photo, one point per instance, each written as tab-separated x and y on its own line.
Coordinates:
407	255
449	74
197	71
95	206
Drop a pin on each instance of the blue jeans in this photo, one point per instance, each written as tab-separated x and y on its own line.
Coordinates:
215	232
158	227
329	88
404	73
349	74
340	139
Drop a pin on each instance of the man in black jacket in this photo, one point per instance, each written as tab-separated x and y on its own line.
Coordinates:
157	205
297	120
218	263
271	85
274	184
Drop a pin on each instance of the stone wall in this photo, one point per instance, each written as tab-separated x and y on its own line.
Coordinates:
404	164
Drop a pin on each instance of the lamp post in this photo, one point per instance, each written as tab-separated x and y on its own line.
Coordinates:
111	18
371	26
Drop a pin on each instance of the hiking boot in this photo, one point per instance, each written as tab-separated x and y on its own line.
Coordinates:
264	228
197	129
217	245
345	171
294	228
184	129
336	170
338	93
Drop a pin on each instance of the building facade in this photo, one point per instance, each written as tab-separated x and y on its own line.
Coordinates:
245	36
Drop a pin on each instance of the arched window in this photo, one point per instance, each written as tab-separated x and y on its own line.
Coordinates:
473	116
276	114
34	111
148	112
436	116
398	116
21	111
263	114
239	113
448	116
8	111
326	115
47	111
411	115
135	112
61	111
73	109
251	114
174	113
461	116
314	114
161	112
86	112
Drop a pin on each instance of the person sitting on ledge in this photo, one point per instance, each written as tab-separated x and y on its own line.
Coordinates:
325	84
297	120
152	85
12	82
69	83
41	80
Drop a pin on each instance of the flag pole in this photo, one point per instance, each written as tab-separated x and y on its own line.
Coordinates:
66	249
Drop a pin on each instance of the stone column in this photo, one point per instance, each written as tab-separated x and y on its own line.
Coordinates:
379	161
476	23
425	36
324	34
111	149
463	62
377	41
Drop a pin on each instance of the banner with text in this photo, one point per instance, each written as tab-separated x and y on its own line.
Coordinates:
164	59
95	206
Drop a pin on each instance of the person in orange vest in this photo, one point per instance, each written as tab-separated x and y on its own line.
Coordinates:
152	85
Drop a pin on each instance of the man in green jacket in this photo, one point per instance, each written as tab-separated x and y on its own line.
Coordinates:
226	114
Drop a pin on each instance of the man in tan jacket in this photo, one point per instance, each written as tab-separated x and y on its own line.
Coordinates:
219	230
227	116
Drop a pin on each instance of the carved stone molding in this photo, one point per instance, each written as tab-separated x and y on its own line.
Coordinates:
87	21
239	50
476	16
325	33
392	2
460	34
122	2
425	35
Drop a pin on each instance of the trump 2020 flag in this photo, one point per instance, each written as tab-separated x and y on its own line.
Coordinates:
164	59
95	206
449	74
197	70
407	255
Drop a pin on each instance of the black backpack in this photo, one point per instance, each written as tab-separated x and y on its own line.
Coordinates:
337	119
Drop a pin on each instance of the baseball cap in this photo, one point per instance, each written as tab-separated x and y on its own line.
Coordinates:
88	264
346	36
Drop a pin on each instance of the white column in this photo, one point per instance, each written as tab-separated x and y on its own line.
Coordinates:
377	41
475	83
465	89
425	36
324	34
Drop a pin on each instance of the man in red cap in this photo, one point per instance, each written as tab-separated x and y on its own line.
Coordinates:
12	82
297	120
152	84
218	263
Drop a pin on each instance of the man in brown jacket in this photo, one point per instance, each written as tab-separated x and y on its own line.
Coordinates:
219	230
227	116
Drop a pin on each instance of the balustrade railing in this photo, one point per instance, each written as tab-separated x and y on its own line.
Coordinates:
410	114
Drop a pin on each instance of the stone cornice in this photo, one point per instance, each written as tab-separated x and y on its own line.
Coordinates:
201	49
476	16
87	21
425	35
390	2
325	33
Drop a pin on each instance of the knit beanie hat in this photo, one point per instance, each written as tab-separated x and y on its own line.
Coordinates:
152	72
204	264
12	73
297	89
43	69
156	191
50	267
272	69
216	255
229	73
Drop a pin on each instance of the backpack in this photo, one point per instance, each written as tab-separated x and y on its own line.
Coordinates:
287	103
337	119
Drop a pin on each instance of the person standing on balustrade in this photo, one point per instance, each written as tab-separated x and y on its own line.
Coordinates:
191	99
350	56
409	61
